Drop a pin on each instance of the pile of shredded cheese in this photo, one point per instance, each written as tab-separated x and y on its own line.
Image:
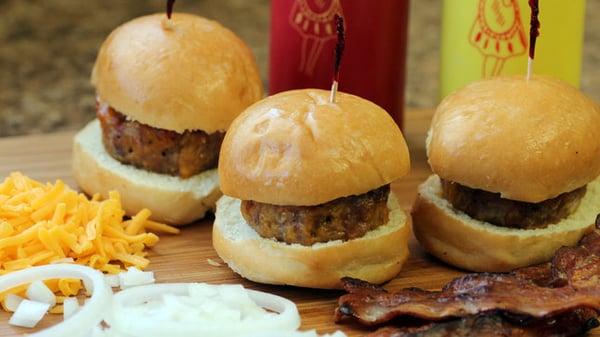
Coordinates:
50	223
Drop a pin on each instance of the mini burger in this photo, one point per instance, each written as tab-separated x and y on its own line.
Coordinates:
307	191
167	91
516	165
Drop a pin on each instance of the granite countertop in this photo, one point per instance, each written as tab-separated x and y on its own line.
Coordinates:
47	49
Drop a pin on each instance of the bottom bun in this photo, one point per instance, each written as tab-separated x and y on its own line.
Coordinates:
464	242
171	199
376	257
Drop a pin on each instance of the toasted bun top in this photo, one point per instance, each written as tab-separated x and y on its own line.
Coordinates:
189	73
296	148
528	140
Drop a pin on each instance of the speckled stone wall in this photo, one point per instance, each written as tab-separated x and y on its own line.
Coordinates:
47	49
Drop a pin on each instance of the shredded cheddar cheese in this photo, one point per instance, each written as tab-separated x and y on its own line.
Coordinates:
43	223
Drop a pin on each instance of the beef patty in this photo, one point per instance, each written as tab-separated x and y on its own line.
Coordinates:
341	219
490	207
157	150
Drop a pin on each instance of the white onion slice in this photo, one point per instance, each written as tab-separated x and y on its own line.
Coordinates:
39	292
87	317
29	313
12	301
120	318
70	307
112	280
134	277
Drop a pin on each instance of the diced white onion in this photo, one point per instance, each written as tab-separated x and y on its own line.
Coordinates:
29	313
200	310
336	334
12	301
134	277
157	309
39	292
99	331
112	280
89	316
70	307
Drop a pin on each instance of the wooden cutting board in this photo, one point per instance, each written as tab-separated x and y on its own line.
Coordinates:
185	257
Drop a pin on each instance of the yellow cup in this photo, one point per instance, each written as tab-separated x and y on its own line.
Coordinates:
484	38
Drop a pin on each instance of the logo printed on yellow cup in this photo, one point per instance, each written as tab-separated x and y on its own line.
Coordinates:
498	34
483	38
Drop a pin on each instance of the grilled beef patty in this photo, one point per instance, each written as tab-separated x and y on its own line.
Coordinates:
157	150
490	207
341	219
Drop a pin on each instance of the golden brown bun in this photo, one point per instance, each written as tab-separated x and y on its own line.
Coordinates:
296	148
190	74
171	199
528	140
464	242
377	257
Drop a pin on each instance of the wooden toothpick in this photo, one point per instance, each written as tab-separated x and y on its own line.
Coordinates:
339	51
534	32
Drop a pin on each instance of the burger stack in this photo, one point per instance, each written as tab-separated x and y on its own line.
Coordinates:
516	165
307	191
167	90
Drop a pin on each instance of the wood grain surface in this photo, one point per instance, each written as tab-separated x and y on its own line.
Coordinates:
185	257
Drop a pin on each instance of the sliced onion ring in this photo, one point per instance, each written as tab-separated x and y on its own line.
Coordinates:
84	320
288	318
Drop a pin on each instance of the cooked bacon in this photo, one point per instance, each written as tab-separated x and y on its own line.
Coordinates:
468	295
570	282
574	323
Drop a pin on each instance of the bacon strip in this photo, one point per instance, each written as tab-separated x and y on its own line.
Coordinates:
494	325
571	281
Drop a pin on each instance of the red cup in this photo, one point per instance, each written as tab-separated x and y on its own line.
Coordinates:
303	38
